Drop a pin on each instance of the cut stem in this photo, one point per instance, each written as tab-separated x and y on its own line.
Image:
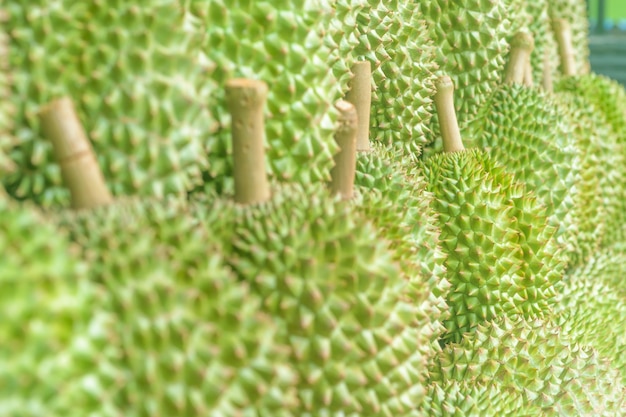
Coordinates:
522	46
528	74
360	95
246	101
345	160
563	34
73	152
449	126
546	81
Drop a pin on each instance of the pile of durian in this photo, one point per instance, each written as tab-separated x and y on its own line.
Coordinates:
309	208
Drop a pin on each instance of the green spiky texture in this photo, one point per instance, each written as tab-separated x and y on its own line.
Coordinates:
282	44
547	368
470	37
575	12
175	332
540	25
501	258
593	305
45	304
527	131
395	199
349	314
129	70
394	38
606	99
469	399
7	108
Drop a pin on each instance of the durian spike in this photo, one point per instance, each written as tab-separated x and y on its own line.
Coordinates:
360	95
563	35
72	150
345	160
246	100
522	46
444	103
546	81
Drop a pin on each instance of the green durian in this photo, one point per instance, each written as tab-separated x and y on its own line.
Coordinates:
393	37
173	331
470	37
544	143
131	70
575	12
537	361
393	196
351	317
285	45
469	399
604	102
7	108
501	255
592	309
45	305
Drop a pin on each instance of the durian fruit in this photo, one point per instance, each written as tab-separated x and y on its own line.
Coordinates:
502	258
603	102
132	71
544	57
45	308
7	110
539	140
470	38
393	37
470	399
174	332
283	44
593	305
534	359
575	12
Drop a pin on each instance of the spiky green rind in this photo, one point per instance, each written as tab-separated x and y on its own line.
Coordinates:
470	38
175	333
593	305
129	70
470	399
534	359
45	303
501	255
575	12
283	44
540	25
394	38
527	132
394	197
7	107
346	310
606	100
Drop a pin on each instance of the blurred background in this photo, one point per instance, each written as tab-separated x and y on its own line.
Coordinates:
607	39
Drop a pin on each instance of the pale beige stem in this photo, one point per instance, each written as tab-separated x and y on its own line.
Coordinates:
360	95
528	74
72	150
449	126
563	35
345	160
546	80
246	101
522	46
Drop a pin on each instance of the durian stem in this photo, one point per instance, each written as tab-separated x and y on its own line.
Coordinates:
246	100
528	74
79	168
546	81
563	35
360	95
519	58
449	126
345	160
